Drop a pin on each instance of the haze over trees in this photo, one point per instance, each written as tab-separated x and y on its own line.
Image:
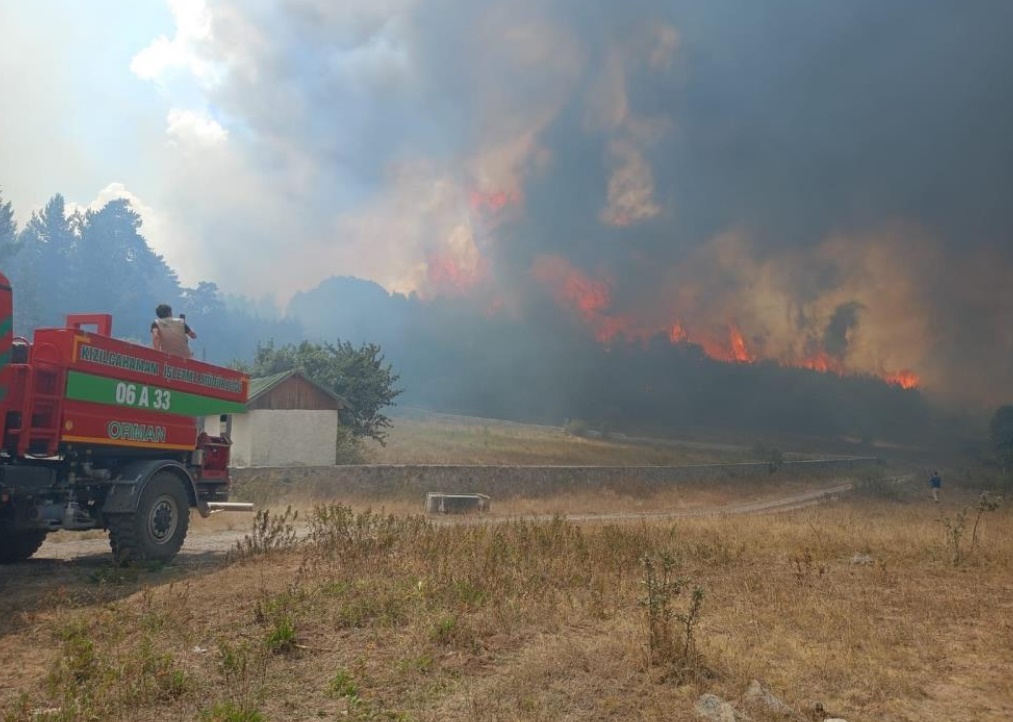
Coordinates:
1000	434
448	354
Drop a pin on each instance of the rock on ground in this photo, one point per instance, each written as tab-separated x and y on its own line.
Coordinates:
759	697
712	708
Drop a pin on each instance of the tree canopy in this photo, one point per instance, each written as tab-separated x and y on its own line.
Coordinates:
99	261
360	375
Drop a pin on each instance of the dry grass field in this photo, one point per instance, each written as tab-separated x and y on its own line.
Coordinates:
879	605
440	439
874	608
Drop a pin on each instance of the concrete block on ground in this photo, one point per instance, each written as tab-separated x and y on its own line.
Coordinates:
440	503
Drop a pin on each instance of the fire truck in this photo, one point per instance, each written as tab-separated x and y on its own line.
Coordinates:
100	433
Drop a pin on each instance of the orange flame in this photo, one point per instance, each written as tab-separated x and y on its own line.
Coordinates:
823	362
905	378
572	287
591	299
738	344
451	277
731	349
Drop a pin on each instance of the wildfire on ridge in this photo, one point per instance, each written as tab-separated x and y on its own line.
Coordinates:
824	362
573	288
905	378
730	349
738	345
591	299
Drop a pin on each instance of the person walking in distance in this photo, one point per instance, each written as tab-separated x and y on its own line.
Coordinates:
936	482
170	334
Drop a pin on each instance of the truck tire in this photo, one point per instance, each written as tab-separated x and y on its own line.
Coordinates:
155	532
16	546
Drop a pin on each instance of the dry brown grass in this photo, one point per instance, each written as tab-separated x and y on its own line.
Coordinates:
398	618
437	439
631	499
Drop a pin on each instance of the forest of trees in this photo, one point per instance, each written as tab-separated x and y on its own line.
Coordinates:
99	261
455	358
450	356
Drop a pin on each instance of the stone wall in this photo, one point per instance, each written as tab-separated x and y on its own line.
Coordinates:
260	484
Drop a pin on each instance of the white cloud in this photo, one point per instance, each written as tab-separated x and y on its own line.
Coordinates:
186	126
193	26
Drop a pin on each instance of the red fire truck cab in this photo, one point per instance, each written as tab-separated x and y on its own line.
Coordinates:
99	433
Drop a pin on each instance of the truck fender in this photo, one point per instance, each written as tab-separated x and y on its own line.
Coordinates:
125	492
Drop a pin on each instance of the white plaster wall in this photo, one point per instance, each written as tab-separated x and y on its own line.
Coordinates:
241	442
285	437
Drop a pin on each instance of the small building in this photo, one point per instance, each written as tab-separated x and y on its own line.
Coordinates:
290	421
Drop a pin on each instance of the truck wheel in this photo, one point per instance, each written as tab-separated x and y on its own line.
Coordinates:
16	546
155	532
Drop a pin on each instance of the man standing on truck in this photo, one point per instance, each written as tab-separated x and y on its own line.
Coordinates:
170	334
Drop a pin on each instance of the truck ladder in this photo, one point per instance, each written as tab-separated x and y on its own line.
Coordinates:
43	384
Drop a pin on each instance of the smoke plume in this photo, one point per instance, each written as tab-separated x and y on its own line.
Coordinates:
818	184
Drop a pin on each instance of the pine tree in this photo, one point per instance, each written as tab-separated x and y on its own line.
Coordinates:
42	272
8	230
120	272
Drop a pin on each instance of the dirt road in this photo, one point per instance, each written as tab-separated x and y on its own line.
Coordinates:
203	547
74	570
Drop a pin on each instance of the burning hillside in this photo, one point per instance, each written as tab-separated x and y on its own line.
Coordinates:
733	306
590	300
817	188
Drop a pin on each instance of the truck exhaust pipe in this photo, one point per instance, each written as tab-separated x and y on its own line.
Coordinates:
214	506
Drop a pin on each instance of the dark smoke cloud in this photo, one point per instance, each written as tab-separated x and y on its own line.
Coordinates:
835	338
829	173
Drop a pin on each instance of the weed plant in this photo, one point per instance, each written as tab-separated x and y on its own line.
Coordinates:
270	533
671	633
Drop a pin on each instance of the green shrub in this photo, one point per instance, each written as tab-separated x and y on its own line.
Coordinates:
342	685
229	712
671	633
